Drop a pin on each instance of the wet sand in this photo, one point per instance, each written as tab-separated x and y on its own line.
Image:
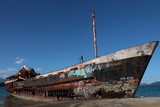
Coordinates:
125	102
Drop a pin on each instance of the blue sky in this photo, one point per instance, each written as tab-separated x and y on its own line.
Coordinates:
52	34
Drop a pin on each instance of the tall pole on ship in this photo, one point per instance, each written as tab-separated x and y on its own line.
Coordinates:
94	33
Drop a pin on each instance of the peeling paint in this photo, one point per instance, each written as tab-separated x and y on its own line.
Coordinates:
116	75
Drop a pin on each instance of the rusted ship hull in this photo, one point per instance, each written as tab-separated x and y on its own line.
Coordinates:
116	75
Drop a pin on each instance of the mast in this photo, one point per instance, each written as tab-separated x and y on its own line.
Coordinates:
94	33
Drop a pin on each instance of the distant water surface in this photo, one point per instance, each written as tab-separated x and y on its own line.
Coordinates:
3	95
8	101
148	91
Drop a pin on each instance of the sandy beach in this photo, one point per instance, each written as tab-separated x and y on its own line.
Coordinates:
126	102
130	102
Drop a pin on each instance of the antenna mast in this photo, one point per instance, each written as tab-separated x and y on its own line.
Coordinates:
94	33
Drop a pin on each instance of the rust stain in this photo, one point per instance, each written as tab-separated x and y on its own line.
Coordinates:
116	75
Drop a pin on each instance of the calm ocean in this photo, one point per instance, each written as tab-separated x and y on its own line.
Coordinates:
8	101
148	91
3	96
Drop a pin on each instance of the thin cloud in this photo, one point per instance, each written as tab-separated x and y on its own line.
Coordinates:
4	73
37	69
19	60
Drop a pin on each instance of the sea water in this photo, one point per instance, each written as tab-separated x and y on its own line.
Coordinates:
8	101
3	95
148	91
